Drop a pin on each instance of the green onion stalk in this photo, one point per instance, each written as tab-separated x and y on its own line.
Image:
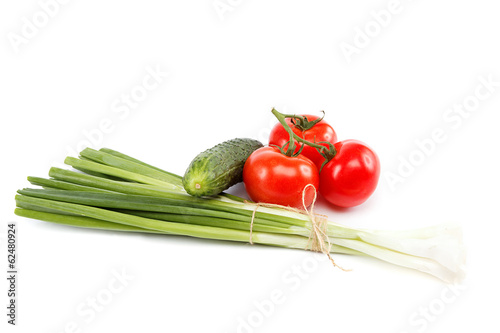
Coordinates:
109	190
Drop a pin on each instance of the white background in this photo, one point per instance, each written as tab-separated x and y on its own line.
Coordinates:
226	70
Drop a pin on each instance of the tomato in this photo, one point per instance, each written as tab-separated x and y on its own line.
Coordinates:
351	177
272	177
321	131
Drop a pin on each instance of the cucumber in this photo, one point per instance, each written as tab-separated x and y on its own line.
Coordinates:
218	168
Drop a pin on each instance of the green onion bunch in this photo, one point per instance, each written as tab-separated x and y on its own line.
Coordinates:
112	191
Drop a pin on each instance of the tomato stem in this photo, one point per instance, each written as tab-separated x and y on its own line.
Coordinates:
302	123
327	152
291	142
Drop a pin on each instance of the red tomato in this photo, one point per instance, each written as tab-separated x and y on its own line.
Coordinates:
321	131
271	177
351	177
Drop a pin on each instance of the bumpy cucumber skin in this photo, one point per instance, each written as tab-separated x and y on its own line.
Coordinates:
218	168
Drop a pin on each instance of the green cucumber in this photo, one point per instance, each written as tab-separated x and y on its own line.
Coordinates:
218	168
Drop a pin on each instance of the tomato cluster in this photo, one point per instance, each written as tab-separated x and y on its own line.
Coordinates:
345	172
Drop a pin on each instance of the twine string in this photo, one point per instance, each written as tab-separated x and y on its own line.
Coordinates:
319	223
251	222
